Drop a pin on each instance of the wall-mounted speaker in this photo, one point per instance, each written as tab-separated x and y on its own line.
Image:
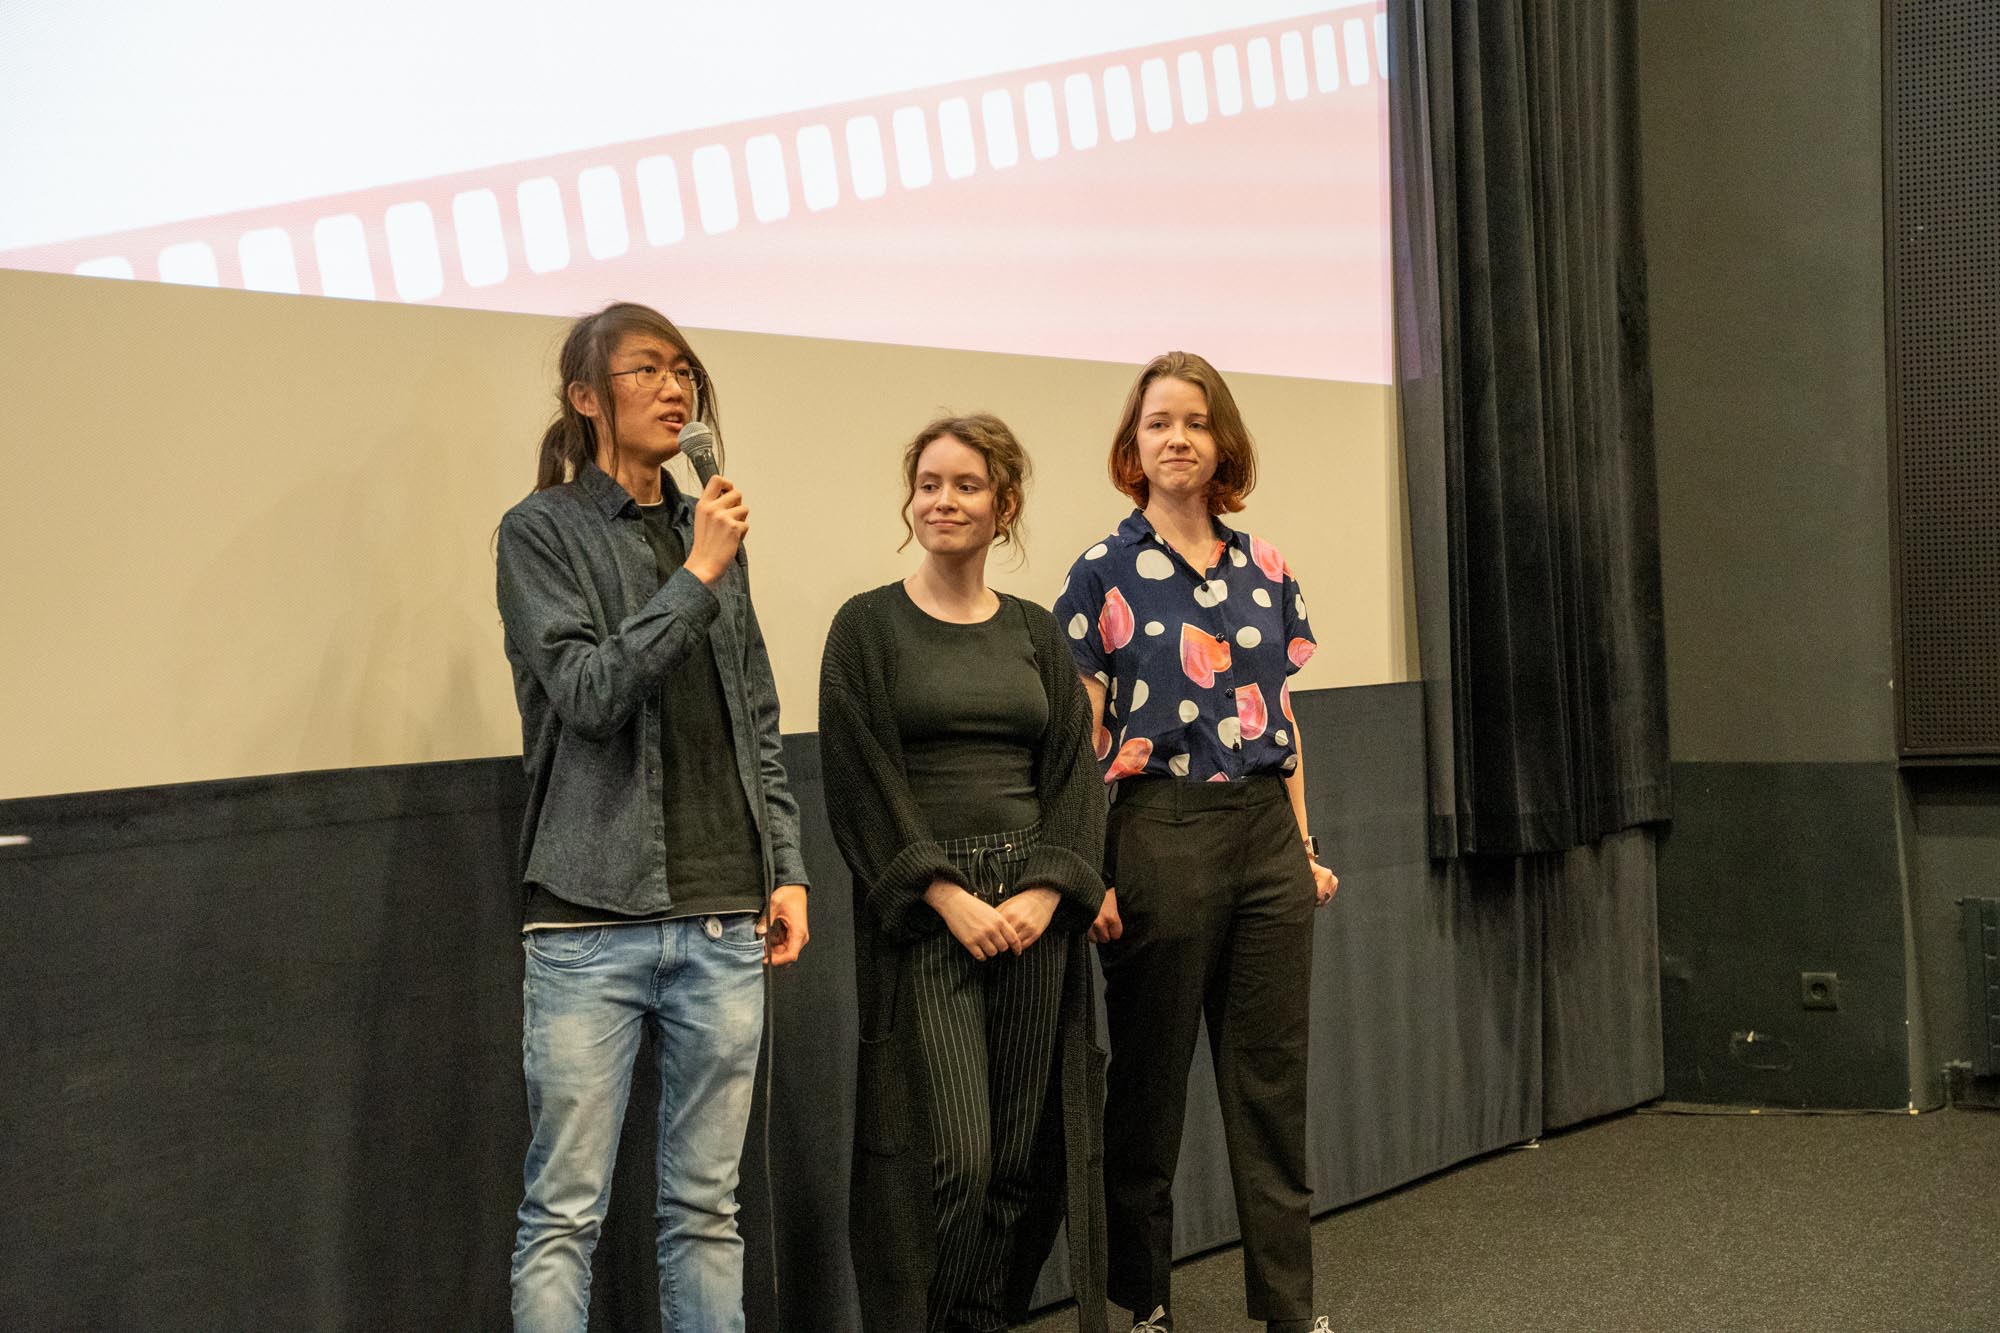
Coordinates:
1941	107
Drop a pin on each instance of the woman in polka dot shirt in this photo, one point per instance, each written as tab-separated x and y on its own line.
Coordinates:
1185	631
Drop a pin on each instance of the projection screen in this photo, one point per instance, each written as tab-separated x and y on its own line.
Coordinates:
1060	179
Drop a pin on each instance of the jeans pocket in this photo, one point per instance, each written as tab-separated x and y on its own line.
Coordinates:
881	1098
566	946
739	935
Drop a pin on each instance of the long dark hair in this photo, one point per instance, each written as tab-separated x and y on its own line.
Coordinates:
571	440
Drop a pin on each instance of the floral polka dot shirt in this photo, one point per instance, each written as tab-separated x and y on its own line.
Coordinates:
1193	663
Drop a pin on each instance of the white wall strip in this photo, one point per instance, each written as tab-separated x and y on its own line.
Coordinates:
413	251
191	263
715	188
1120	113
865	167
996	110
1292	56
1081	108
265	256
600	197
544	228
961	152
819	174
913	147
1038	101
1193	76
1263	85
1228	80
660	199
340	244
1354	35
1326	58
482	238
764	164
1159	95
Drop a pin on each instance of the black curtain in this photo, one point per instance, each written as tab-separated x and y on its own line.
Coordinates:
1527	420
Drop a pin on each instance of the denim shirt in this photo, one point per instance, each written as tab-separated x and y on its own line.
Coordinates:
591	632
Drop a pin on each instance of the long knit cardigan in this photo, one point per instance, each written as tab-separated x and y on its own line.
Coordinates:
894	856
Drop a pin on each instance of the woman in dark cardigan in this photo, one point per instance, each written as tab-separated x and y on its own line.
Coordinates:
963	794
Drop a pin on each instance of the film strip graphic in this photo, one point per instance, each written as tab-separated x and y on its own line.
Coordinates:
1032	212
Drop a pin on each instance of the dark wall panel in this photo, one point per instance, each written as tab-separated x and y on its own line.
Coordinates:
1762	136
1771	870
1956	821
1762	154
263	1047
258	1068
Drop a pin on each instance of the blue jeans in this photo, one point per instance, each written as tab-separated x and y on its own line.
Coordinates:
698	984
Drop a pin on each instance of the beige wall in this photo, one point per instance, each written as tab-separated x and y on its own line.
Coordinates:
247	534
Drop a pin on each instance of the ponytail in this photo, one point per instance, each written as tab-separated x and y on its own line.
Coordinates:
571	439
566	445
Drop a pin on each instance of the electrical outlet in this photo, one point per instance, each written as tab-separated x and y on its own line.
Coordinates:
1819	990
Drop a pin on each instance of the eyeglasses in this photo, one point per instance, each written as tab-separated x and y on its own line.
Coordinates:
646	379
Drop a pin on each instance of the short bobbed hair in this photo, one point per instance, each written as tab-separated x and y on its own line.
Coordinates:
1235	452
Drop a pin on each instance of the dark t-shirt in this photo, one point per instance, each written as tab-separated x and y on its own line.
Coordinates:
970	712
714	862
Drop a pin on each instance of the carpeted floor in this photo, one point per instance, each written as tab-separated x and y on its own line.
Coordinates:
1664	1221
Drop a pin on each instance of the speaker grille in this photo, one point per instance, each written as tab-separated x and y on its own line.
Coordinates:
1943	112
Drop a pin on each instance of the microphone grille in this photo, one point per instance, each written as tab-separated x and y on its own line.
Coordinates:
698	447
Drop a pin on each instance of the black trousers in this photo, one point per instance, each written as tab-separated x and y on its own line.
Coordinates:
1216	897
989	1039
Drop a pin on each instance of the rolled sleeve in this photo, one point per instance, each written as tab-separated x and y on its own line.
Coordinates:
1076	614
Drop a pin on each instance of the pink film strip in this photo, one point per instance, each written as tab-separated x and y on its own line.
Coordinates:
1096	209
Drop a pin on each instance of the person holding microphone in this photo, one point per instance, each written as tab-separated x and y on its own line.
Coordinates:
1184	631
660	848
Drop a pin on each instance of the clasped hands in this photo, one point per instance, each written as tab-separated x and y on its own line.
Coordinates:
988	931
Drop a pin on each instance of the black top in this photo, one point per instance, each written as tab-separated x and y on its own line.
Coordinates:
888	842
713	859
970	710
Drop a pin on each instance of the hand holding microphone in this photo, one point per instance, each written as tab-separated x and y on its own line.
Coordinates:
721	518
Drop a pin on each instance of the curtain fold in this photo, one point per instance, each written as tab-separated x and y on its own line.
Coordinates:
1526	403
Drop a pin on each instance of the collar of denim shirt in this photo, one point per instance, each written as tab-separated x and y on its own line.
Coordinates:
612	499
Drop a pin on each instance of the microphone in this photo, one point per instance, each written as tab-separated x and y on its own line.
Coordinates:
698	447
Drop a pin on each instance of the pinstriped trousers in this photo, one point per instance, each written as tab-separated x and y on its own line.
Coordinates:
989	1036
